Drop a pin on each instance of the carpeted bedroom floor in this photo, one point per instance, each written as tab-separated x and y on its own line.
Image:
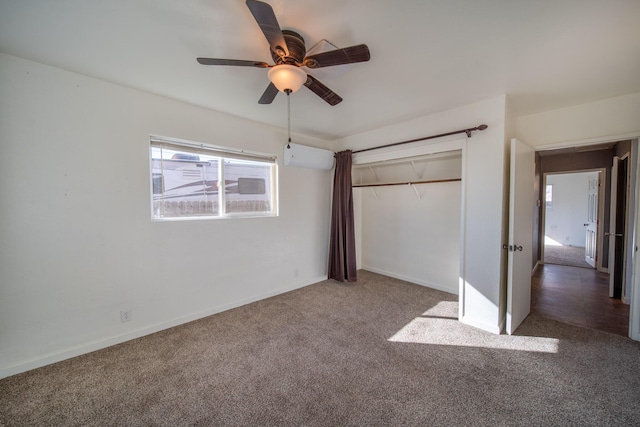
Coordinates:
379	352
565	255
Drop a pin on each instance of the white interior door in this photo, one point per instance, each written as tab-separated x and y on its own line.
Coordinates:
591	239
521	205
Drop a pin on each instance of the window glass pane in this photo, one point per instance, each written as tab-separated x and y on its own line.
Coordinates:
185	181
184	184
247	186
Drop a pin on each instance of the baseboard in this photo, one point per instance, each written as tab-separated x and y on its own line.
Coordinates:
58	356
450	289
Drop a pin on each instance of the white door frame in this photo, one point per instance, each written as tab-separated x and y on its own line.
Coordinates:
634	226
599	227
629	239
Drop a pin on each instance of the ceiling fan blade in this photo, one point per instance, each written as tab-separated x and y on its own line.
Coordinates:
322	91
266	19
269	94
347	55
234	62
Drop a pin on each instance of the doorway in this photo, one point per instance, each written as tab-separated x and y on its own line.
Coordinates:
573	211
590	304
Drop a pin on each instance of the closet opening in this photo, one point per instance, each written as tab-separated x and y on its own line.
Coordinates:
408	213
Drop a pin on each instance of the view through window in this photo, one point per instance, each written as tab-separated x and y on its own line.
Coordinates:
189	180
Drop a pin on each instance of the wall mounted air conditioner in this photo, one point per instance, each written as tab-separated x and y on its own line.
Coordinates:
307	157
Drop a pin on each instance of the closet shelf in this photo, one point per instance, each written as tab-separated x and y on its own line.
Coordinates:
431	181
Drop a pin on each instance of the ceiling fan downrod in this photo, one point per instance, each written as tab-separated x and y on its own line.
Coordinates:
288	92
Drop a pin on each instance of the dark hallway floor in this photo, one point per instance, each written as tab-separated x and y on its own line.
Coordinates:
579	296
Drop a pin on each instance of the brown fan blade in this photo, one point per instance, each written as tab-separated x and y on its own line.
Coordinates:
266	19
347	55
322	91
269	94
234	62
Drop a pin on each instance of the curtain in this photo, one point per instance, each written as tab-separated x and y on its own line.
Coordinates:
342	243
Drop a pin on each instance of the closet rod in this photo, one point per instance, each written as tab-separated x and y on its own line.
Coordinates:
408	183
467	131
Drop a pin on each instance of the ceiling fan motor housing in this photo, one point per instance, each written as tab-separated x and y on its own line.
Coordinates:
297	50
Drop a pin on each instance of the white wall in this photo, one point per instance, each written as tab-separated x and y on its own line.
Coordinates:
401	225
611	119
564	221
400	233
483	200
77	243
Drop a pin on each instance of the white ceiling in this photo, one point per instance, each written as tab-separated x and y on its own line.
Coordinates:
426	56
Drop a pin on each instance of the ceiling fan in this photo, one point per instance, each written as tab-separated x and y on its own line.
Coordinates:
289	54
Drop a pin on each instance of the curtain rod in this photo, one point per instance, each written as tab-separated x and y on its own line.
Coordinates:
467	131
408	183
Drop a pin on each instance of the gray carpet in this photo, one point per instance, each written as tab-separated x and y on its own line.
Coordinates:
380	352
565	255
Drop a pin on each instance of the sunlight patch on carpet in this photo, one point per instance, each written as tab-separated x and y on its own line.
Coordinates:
446	331
550	242
448	309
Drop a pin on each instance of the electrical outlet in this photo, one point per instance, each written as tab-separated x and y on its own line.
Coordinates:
125	315
296	272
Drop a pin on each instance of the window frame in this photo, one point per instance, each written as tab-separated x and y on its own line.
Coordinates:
224	155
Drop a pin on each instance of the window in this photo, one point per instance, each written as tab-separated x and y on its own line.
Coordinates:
190	180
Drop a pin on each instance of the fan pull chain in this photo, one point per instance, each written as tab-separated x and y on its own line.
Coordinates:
288	92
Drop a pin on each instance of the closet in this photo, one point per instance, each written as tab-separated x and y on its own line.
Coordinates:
407	212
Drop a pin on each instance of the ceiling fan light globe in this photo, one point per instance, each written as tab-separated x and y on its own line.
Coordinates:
287	77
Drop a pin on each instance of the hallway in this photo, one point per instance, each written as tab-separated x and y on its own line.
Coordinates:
579	296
